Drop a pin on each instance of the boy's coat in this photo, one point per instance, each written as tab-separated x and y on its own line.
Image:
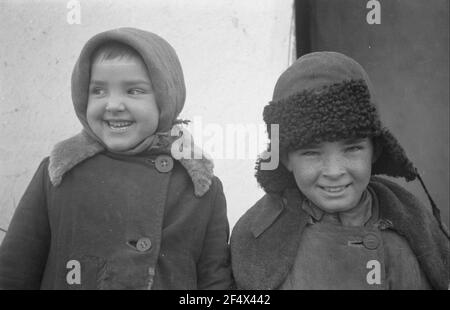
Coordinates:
265	241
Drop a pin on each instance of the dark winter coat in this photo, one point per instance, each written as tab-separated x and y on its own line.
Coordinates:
265	241
128	225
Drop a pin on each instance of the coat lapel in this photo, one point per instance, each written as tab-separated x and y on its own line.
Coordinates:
267	240
70	152
420	228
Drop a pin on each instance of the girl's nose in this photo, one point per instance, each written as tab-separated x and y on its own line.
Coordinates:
115	104
333	167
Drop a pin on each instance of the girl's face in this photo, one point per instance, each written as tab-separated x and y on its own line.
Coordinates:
333	175
122	109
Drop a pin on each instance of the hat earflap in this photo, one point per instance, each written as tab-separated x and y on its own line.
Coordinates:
274	181
392	161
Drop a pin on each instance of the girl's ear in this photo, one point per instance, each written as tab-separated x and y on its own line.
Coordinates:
286	162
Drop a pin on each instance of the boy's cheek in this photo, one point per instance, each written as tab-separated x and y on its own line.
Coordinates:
304	170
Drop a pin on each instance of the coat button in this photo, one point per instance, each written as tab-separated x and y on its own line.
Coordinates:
164	163
371	241
143	244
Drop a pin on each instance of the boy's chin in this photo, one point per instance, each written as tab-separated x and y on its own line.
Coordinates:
335	206
114	148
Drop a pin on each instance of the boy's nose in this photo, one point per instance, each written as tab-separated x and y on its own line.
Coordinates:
333	167
114	105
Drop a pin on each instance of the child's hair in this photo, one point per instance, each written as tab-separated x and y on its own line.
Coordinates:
114	50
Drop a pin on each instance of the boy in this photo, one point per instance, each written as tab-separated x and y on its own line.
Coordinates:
326	222
110	208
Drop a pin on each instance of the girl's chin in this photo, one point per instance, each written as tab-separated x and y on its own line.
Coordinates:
119	147
122	146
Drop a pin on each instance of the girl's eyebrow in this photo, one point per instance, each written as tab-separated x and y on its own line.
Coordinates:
130	82
97	82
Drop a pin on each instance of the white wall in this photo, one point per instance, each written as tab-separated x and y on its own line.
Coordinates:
232	52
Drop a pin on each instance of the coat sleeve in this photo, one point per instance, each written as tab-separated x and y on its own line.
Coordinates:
214	268
24	250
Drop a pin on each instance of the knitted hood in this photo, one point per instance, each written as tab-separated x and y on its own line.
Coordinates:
162	64
327	96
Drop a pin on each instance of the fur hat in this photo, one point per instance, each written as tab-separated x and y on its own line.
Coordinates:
327	96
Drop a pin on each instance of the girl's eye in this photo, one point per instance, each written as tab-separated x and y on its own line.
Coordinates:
136	91
97	91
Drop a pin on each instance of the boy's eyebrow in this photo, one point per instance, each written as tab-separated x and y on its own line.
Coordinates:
310	146
354	140
346	142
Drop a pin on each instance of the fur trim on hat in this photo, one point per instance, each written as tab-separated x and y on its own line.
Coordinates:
392	160
274	181
330	113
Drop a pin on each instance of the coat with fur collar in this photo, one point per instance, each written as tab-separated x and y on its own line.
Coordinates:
265	241
116	222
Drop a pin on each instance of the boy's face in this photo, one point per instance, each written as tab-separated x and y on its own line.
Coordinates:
333	175
122	109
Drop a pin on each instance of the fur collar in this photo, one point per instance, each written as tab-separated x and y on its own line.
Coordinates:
70	152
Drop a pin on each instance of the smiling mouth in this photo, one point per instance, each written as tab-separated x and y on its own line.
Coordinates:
334	189
119	126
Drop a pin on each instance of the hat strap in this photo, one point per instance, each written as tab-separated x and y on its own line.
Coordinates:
435	209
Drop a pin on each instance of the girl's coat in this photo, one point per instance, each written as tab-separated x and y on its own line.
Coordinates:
125	223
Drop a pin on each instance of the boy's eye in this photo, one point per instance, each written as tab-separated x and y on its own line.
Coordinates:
310	153
354	148
136	91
